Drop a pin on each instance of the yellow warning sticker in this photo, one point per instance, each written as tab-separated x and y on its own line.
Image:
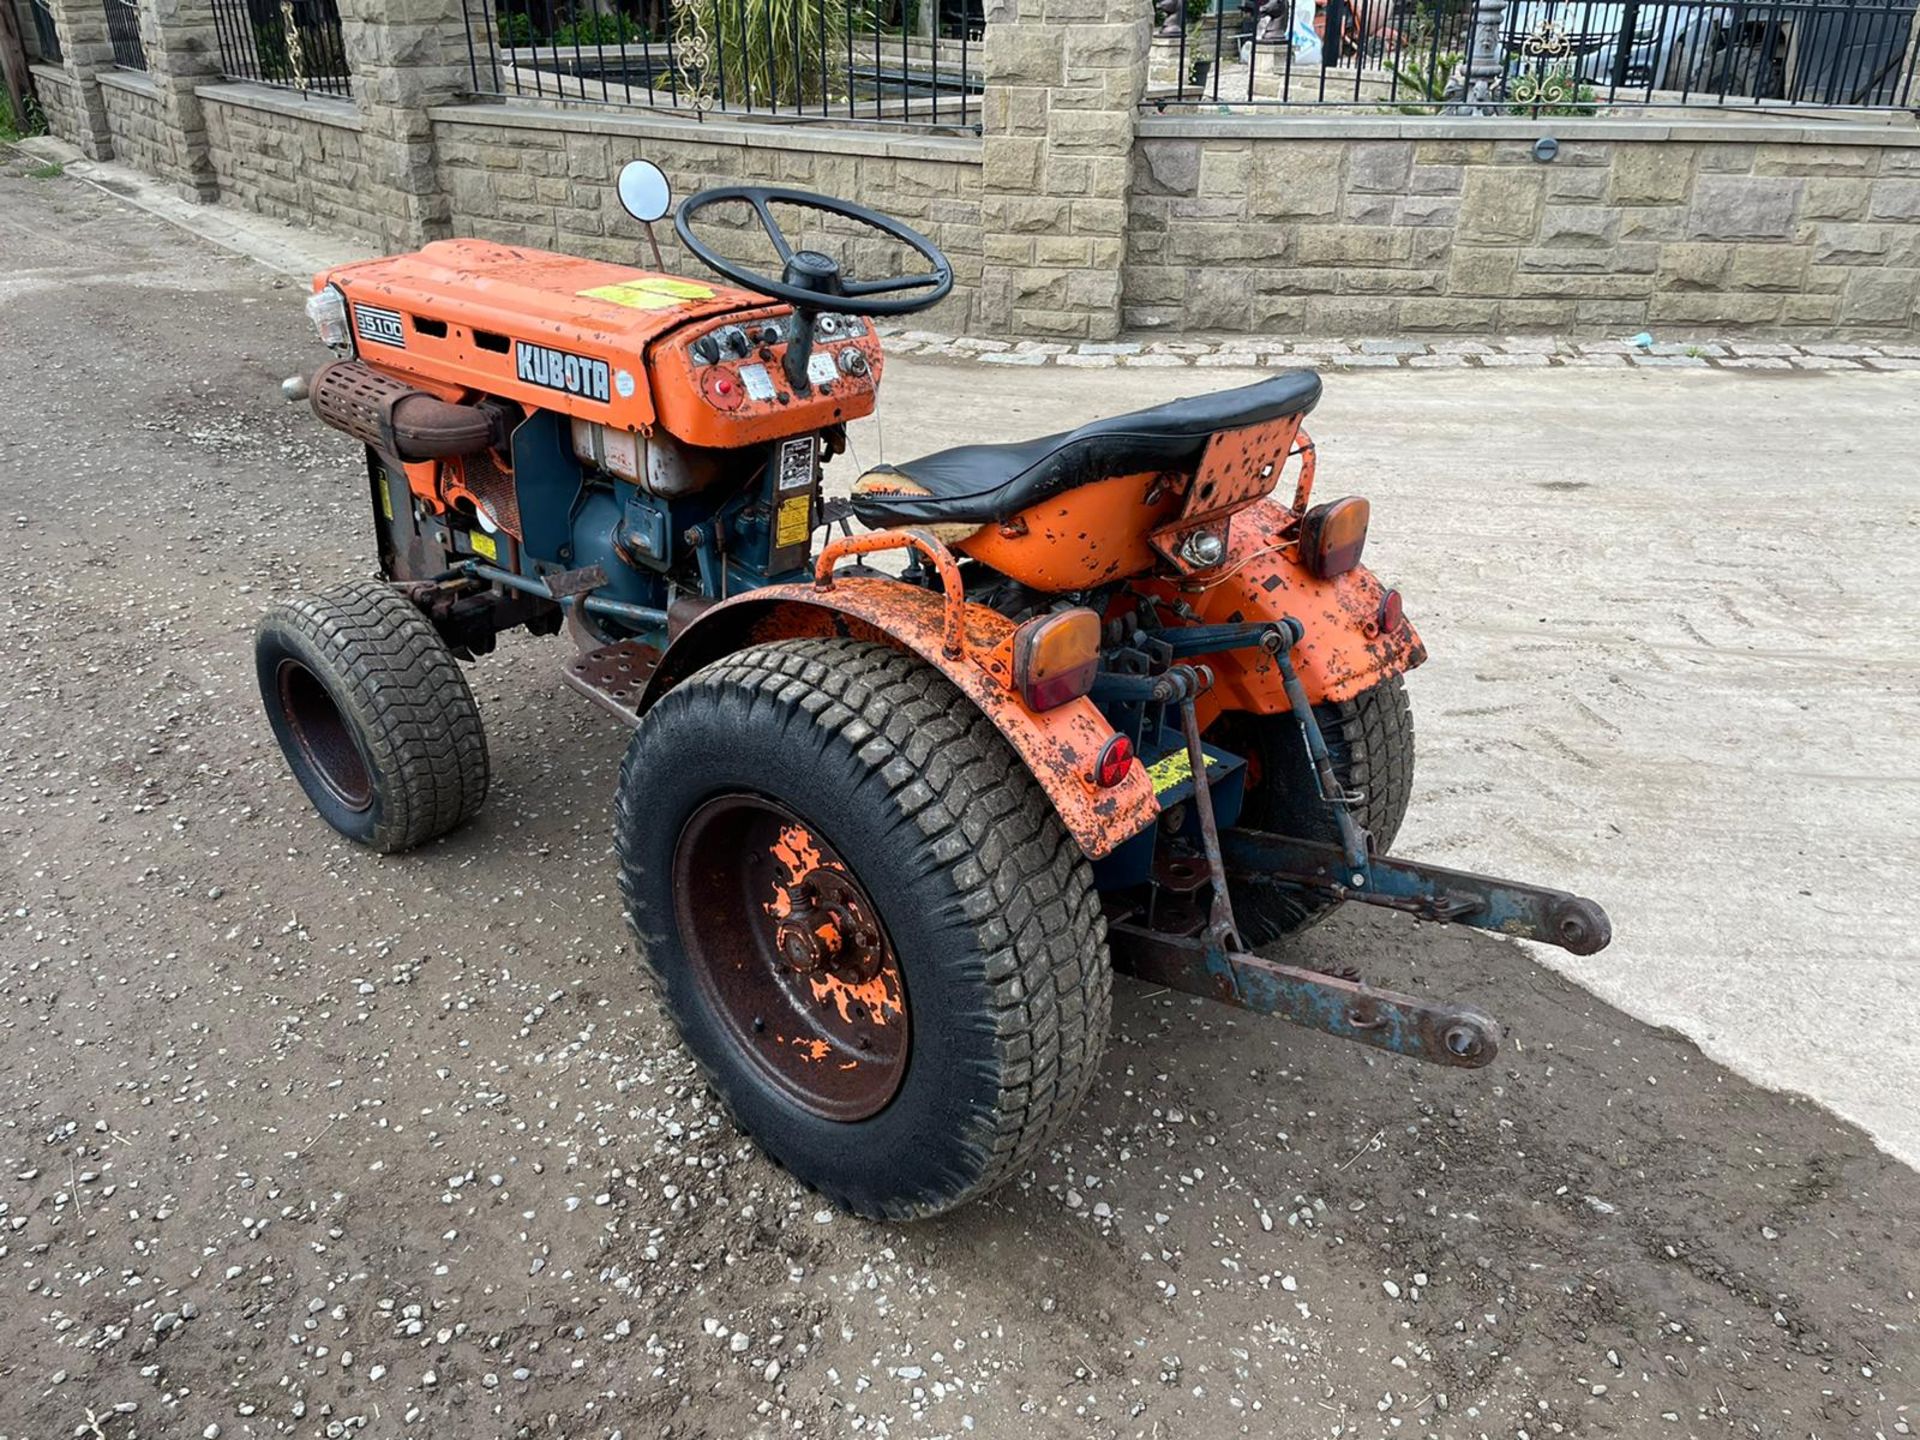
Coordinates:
483	544
1175	769
386	498
791	527
655	292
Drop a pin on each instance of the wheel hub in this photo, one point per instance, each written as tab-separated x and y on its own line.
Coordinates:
827	929
791	956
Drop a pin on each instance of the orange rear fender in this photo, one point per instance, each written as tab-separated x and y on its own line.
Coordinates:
1058	746
1344	650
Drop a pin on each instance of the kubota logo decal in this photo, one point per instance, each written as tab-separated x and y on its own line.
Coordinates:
557	370
380	326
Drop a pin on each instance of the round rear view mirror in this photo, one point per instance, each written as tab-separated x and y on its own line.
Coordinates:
644	190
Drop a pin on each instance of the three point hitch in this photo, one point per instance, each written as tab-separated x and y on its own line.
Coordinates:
1210	960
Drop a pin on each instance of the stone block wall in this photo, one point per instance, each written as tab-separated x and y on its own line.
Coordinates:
136	121
1075	215
1368	227
292	158
1063	85
535	177
59	98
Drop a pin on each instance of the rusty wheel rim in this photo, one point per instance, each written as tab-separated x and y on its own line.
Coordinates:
324	739
792	956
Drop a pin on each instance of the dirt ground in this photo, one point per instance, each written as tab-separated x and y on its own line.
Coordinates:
295	1140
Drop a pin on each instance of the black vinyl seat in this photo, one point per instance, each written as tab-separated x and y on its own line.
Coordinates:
985	484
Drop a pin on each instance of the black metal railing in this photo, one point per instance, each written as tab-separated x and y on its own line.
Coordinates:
123	29
45	34
893	62
289	44
1554	57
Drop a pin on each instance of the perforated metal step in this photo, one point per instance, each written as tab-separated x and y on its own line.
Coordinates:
614	676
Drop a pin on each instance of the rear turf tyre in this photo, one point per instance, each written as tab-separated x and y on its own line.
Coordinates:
373	715
957	1021
1370	738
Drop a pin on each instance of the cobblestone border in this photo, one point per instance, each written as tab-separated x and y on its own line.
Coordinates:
1504	353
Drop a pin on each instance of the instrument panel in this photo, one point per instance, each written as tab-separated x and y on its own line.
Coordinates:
724	383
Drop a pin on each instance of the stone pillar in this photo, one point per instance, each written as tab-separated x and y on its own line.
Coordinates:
183	51
1063	85
86	50
406	56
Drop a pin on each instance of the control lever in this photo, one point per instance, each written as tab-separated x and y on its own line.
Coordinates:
799	350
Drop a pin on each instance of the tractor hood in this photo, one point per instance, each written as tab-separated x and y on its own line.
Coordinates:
556	331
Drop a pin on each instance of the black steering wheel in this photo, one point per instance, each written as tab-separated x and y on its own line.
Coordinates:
810	278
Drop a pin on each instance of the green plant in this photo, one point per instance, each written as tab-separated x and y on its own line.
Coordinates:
17	126
516	30
600	30
270	46
1555	90
897	17
52	170
1426	81
765	53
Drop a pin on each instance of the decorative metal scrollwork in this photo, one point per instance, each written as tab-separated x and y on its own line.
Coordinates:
1542	81
695	57
1547	40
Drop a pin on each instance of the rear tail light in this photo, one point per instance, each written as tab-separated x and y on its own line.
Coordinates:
1393	610
1055	658
1333	535
1116	760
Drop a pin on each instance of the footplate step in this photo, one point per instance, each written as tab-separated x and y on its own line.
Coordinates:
615	676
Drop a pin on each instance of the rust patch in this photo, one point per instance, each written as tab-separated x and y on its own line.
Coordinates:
1237	468
1057	746
1343	651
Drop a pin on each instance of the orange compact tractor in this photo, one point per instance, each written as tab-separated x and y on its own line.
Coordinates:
897	804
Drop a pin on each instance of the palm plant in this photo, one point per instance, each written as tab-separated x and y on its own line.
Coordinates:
765	53
1429	80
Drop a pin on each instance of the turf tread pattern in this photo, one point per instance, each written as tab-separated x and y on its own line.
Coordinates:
968	805
403	691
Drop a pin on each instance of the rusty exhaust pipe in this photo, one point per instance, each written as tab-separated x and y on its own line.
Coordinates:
393	417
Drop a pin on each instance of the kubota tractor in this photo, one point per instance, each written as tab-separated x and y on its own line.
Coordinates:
1122	697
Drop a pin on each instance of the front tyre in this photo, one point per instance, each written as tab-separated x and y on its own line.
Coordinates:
373	715
866	921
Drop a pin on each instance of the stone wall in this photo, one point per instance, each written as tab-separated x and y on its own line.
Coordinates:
536	177
59	98
292	158
1064	81
135	120
1075	215
1372	227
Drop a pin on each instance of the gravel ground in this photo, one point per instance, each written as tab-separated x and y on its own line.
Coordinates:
299	1141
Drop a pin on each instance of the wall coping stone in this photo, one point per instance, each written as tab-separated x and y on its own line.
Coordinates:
56	74
320	109
841	141
137	81
1458	352
1442	127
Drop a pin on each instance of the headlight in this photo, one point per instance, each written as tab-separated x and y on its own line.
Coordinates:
327	309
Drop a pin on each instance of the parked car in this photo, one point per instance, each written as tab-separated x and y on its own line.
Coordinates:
1842	55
